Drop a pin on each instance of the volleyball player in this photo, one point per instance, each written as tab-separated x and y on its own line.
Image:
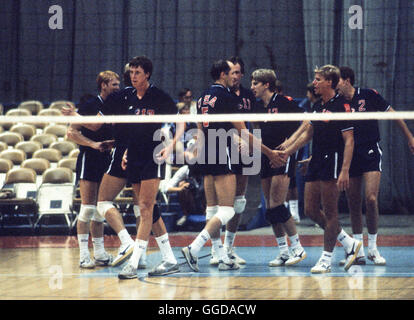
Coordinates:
93	159
328	172
245	101
275	181
220	181
366	162
143	171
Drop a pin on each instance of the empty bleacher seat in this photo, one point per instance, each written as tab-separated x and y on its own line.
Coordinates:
33	106
11	138
68	163
29	147
65	147
52	155
55	194
15	155
23	181
74	153
58	130
39	165
5	166
46	139
3	146
25	129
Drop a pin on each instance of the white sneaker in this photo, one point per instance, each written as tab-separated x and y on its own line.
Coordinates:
359	260
280	260
104	260
214	261
86	263
322	266
142	264
374	256
352	254
232	265
233	256
128	272
298	254
124	253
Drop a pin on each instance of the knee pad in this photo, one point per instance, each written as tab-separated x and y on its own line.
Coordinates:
156	213
239	204
103	207
224	214
137	211
97	217
211	211
279	214
86	212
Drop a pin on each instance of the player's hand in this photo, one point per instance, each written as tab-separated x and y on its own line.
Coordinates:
164	153
278	159
106	145
282	146
124	160
69	109
343	181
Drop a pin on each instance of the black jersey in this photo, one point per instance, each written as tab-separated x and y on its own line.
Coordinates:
245	101
367	100
92	108
327	134
139	136
276	132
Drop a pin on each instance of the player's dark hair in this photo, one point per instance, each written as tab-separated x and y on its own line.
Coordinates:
347	73
218	67
183	92
238	60
143	62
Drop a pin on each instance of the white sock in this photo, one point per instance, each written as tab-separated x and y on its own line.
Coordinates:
326	256
294	241
229	239
83	245
199	242
372	241
345	239
283	245
139	247
98	247
125	237
219	250
165	248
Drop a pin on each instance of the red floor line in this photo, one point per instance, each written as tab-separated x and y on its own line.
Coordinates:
112	241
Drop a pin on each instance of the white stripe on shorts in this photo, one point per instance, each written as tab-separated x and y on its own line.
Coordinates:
336	166
380	152
82	167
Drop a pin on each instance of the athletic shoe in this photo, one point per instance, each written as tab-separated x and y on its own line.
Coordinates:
191	260
352	254
142	264
360	259
235	257
214	260
280	260
232	265
374	256
163	269
86	263
123	254
298	255
105	260
322	266
128	272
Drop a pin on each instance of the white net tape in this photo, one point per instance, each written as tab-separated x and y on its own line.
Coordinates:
404	115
